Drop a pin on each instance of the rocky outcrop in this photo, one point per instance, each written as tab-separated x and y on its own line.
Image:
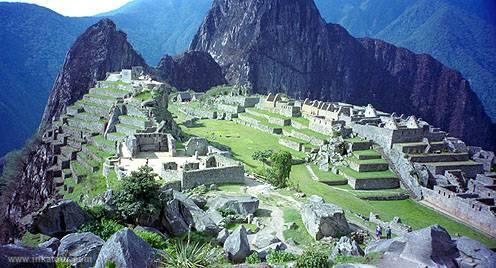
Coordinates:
100	49
323	219
59	218
243	205
285	45
52	244
346	247
474	254
237	246
428	247
194	70
80	249
196	217
30	257
125	249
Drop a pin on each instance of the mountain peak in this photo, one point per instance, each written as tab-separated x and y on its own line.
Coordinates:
100	49
285	45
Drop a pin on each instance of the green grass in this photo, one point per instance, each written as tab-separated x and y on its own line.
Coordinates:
367	153
293	139
145	95
243	140
355	139
311	133
411	212
326	175
100	139
301	120
298	234
368	161
98	96
262	120
32	240
367	175
248	226
79	169
101	154
231	188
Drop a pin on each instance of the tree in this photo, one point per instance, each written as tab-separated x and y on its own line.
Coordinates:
281	163
139	195
262	156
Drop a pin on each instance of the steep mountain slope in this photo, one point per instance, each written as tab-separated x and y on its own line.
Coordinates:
156	27
190	70
100	49
461	34
287	46
34	41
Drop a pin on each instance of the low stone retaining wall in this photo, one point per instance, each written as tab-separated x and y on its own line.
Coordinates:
133	120
217	175
367	167
100	100
373	184
234	109
445	157
259	126
109	92
291	144
279	121
95	109
309	139
361	145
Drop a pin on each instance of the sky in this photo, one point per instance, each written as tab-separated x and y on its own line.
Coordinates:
77	8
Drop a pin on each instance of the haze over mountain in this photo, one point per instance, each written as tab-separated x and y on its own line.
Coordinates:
35	40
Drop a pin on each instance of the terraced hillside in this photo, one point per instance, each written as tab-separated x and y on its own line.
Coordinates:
87	135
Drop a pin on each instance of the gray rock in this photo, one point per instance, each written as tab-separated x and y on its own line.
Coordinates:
486	158
428	247
264	239
278	246
474	254
196	144
237	246
199	200
36	257
126	249
455	145
194	216
324	219
59	218
173	220
151	230
346	247
80	249
243	205
215	216
222	236
52	244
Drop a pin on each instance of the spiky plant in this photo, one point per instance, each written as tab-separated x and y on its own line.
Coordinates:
187	254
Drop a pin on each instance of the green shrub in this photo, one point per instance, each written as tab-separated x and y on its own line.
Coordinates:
313	259
153	239
62	264
279	257
367	259
110	264
253	258
226	212
104	228
97	211
139	195
185	254
281	163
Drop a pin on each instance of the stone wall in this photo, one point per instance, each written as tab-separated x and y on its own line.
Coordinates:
381	136
312	140
258	126
216	175
297	125
469	210
279	121
230	108
470	171
322	125
404	168
367	167
291	144
373	184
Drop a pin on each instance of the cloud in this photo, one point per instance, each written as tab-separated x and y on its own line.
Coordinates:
77	8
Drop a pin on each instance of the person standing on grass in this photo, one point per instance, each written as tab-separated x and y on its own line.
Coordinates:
378	232
388	232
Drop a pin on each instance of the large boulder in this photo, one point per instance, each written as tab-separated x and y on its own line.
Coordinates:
428	247
12	255
52	244
323	219
243	205
80	249
346	247
237	246
59	218
474	254
264	239
195	216
195	144
173	220
126	249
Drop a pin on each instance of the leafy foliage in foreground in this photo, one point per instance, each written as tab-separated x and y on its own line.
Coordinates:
104	228
139	195
187	254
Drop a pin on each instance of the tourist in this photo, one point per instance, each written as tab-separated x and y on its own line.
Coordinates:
378	232
147	161
388	232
